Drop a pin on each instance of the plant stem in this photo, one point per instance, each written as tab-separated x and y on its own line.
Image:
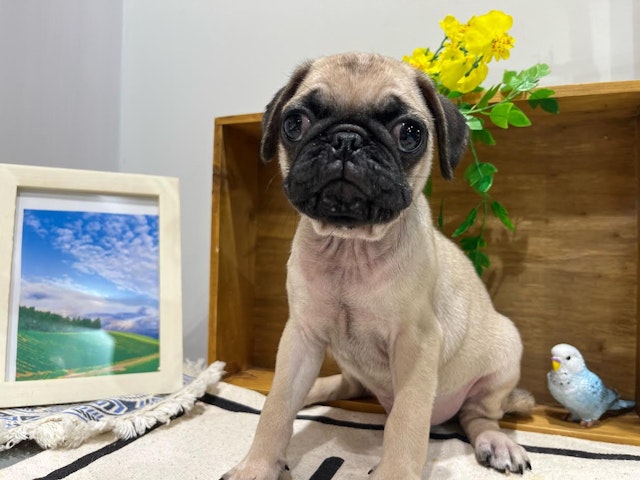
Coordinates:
485	110
437	52
484	195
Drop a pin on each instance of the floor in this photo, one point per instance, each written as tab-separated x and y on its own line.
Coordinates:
18	453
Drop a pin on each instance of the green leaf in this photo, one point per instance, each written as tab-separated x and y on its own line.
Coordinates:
499	114
525	80
467	223
480	260
483	136
441	215
474	123
542	97
480	176
472	243
488	95
538	71
502	214
547	104
517	117
428	188
508	79
541	93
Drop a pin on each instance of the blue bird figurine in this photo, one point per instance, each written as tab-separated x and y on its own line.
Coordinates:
580	390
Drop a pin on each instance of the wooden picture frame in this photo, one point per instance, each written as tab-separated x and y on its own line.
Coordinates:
90	285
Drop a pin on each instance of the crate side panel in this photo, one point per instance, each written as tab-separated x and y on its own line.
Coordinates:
637	174
569	271
236	254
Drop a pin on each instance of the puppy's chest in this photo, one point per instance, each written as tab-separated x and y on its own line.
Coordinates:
356	304
359	339
347	268
350	299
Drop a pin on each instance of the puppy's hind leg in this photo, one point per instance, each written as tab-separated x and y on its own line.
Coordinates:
479	418
334	387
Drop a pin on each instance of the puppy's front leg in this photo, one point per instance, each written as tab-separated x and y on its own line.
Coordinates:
414	369
297	366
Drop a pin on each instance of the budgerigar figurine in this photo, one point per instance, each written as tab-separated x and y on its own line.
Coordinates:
580	390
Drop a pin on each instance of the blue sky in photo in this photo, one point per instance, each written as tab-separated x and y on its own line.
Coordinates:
92	265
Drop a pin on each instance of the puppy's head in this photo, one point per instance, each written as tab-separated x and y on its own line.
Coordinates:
354	136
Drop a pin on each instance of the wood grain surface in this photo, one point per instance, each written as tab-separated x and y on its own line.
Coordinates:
569	273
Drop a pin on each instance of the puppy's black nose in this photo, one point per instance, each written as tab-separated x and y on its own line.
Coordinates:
346	140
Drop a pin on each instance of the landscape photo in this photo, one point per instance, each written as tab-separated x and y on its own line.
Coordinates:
88	294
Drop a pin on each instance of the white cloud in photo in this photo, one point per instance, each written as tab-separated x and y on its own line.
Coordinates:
122	249
64	297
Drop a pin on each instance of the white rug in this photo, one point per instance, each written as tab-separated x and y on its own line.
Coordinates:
328	444
56	426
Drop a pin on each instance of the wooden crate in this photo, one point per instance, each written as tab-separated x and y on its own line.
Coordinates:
569	273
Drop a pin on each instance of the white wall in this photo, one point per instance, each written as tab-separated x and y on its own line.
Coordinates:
69	97
188	61
60	82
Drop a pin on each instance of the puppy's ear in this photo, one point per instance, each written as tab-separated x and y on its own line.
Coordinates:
451	126
272	116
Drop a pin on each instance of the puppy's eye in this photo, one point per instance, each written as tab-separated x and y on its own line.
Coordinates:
408	135
295	125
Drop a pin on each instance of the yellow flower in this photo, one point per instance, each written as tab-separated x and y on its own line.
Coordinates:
423	59
501	46
452	28
452	69
487	35
461	62
473	78
460	72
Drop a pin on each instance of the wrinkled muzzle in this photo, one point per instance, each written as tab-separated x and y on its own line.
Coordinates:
345	178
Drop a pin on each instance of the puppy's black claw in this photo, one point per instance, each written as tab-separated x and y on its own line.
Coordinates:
529	465
286	467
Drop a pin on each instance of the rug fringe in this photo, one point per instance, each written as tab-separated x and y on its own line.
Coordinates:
60	431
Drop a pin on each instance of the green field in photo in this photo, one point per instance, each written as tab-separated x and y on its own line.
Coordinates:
83	352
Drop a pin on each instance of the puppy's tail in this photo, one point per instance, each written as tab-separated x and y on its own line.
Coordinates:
519	402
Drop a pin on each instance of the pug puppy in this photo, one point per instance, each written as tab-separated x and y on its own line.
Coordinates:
398	305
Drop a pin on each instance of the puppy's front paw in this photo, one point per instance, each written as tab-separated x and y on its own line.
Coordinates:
496	450
258	471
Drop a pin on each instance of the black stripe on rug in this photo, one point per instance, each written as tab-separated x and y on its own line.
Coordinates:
88	459
232	406
331	465
328	468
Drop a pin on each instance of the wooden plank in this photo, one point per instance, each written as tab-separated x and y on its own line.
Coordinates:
236	187
637	174
568	274
250	118
622	429
214	263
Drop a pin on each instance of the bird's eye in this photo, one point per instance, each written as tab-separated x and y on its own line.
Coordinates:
409	135
295	126
568	358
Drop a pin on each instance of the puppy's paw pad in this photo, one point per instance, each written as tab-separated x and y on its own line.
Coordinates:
497	451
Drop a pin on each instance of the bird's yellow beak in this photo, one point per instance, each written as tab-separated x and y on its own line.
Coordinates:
555	364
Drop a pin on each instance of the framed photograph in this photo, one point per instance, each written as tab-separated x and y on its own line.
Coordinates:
90	285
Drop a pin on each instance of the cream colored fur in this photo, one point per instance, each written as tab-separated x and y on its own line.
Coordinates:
401	309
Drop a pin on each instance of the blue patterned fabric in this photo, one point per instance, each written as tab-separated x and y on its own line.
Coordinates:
88	411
